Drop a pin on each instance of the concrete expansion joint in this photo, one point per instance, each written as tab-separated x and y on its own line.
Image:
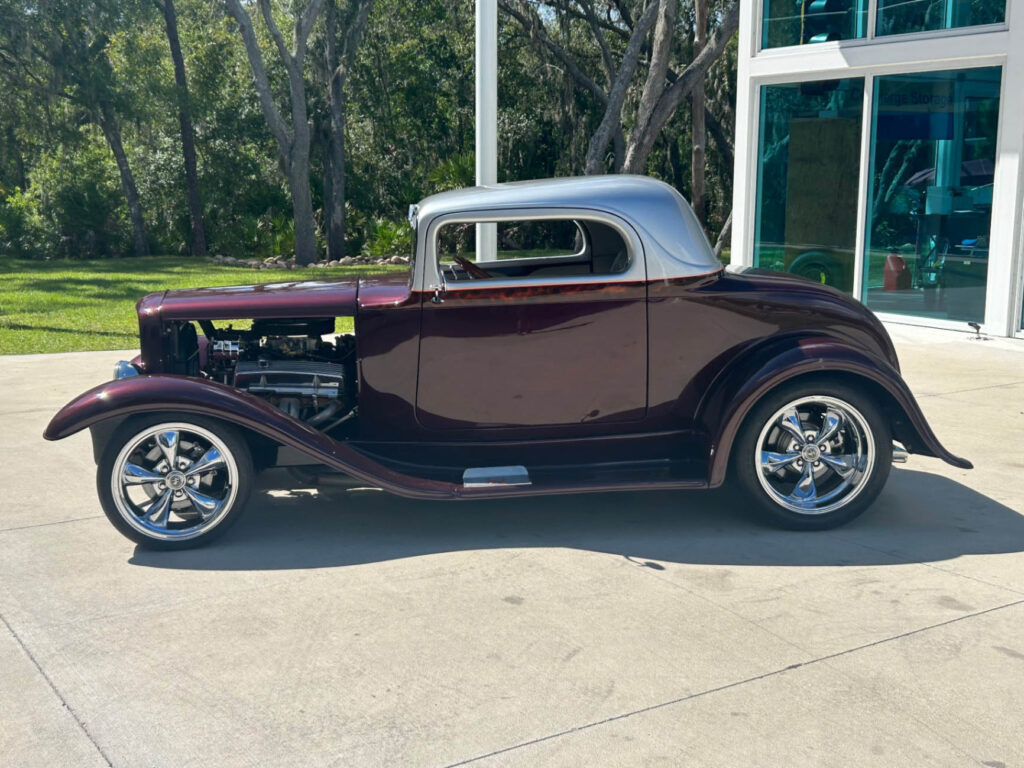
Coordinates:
735	684
56	691
46	525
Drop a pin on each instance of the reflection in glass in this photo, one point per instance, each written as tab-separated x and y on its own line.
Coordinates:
900	16
933	149
796	22
808	169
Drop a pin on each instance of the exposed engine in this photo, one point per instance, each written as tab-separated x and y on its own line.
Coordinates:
288	363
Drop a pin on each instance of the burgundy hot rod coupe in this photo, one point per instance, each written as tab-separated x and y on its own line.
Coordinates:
598	345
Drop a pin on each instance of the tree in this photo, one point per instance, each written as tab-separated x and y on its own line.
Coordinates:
698	164
59	49
368	107
293	143
611	122
676	88
664	89
197	239
339	65
616	78
107	119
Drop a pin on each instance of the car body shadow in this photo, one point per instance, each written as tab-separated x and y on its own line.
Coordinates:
919	517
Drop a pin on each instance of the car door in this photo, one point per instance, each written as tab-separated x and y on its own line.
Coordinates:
558	339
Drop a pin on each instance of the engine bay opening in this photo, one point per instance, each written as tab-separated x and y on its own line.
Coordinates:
299	365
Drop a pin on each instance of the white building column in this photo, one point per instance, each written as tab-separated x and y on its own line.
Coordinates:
1005	289
486	116
744	188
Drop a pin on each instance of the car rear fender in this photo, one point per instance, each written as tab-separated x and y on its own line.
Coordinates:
757	372
110	403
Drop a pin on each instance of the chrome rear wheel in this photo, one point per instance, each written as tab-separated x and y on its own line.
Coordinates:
815	454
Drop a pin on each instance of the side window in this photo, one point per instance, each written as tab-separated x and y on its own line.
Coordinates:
533	249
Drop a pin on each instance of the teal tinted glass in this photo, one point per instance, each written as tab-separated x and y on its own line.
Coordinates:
807	175
896	17
933	152
797	22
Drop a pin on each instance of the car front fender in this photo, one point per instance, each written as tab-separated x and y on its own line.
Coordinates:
757	372
179	394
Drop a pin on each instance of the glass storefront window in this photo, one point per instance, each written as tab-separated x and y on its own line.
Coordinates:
933	150
897	17
808	169
796	22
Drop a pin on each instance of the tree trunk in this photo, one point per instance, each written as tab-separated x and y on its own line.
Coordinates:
722	140
338	65
336	150
654	85
302	197
612	120
697	165
724	236
293	145
642	139
197	240
13	152
112	132
323	137
675	162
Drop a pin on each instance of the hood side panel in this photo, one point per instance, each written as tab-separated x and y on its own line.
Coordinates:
314	298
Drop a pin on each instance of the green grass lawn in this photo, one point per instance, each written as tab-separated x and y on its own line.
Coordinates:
71	306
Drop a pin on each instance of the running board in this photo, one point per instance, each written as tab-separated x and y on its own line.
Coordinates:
497	482
496	477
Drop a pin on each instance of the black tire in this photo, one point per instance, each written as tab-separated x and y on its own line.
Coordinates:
866	430
232	479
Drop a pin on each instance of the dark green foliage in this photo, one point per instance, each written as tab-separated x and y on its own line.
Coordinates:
72	207
388	238
410	122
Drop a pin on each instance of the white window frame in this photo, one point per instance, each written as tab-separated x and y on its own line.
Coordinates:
870	32
999	45
429	278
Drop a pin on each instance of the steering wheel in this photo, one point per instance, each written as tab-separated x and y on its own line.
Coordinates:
474	271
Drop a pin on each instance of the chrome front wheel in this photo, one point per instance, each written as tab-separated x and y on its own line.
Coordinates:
172	484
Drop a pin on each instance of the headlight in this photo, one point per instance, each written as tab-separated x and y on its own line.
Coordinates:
124	370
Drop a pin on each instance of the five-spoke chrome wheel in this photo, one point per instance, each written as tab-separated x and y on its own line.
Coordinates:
815	454
174	481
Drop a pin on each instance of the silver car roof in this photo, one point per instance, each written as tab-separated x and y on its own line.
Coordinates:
674	242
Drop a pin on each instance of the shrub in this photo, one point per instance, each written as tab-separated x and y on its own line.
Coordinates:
388	238
73	207
23	230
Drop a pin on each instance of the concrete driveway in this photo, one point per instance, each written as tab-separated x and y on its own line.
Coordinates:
356	629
